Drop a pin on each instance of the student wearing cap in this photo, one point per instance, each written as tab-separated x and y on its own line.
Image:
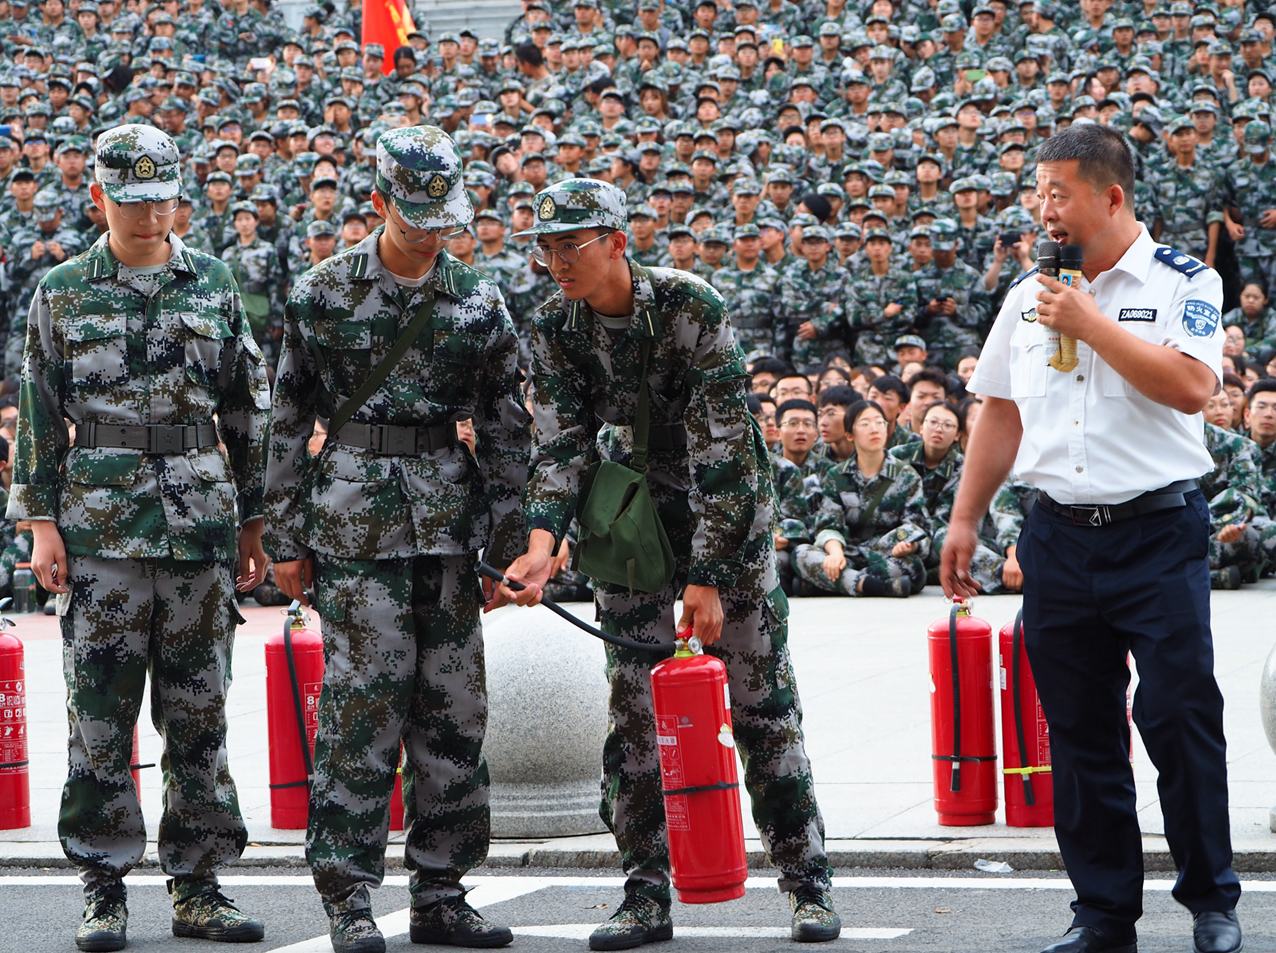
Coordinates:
590	345
1188	213
1249	206
386	524
812	302
254	264
137	529
881	300
750	292
45	242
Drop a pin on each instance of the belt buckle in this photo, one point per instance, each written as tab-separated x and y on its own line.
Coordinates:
398	441
1090	515
165	439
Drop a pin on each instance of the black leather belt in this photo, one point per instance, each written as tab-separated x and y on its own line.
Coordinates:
152	438
396	441
1167	498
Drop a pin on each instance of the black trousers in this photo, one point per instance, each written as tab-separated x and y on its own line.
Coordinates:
1090	595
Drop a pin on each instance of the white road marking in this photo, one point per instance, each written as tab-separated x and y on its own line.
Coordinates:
581	931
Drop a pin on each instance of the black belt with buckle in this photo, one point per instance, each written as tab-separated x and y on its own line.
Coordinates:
1167	498
151	438
395	441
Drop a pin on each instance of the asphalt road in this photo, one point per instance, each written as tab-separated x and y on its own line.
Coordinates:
883	911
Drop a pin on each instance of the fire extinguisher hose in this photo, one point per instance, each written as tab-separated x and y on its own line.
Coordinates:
656	647
1016	641
299	710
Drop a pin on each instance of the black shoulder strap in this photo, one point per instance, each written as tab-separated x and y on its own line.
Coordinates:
382	370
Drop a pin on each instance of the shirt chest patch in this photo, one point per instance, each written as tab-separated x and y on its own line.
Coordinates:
1137	314
1200	318
1030	315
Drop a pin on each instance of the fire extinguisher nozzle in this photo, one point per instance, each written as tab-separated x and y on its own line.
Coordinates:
1028	797
956	785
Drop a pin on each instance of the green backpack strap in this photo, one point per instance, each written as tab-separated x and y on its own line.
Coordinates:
642	419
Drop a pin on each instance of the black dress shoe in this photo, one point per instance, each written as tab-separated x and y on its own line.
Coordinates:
1217	932
1091	940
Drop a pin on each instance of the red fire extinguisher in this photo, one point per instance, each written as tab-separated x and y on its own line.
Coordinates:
961	719
15	784
698	773
1025	736
294	678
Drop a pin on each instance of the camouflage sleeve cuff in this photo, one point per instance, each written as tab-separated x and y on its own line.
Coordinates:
32	501
721	573
545	523
251	504
826	535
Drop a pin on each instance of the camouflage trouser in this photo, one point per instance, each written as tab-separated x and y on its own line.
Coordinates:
985	564
18	551
403	651
861	561
945	340
1260	269
755	342
766	715
177	619
810	354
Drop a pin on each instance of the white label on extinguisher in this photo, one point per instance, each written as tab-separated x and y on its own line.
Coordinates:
13	721
310	691
726	695
671	773
1003	678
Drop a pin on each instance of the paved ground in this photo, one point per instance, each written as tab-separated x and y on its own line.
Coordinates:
862	670
883	911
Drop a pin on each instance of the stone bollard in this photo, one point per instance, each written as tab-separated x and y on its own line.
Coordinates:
547	719
1267	705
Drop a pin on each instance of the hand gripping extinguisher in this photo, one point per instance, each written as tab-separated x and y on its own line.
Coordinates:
15	784
1025	737
294	677
961	719
698	773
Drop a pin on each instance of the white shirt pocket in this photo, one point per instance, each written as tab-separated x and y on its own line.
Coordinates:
1027	360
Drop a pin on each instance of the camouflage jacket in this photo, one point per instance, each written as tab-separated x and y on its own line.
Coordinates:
1252	189
900	514
1010	507
1267	476
939	484
1187	202
751	297
805	296
99	351
696	374
357	503
1237	467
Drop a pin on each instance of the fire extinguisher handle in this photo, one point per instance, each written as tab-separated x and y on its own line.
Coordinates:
658	648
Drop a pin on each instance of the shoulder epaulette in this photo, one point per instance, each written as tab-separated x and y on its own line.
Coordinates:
1180	261
1026	274
97	270
359	265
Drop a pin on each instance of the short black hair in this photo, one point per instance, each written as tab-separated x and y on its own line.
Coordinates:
794	375
890	384
794	404
530	54
841	396
1263	385
404	53
932	375
771	365
1102	155
754	403
853	412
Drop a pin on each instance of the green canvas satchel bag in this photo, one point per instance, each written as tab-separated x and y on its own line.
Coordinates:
622	540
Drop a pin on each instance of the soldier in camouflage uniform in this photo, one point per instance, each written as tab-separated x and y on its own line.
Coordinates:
1249	188
140	343
955	308
750	292
388	521
710	483
1242	536
877	526
255	266
813	324
881	300
1185	193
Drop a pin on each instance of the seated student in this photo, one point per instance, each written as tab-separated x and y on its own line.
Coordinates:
872	532
968	409
799	436
764	372
762	407
833	377
1242	537
792	386
835	441
1255	317
938	460
891	394
927	386
1260	421
909	349
1236	389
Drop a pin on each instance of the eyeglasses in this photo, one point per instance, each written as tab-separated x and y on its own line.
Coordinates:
946	426
568	253
134	210
791	424
766	418
417	236
828	413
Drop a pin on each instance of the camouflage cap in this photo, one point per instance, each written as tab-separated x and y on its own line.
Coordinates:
248	207
264	193
577	203
1258	137
848	230
910	340
137	163
1180	124
870	234
714	234
943	234
747	231
46	200
643	211
818	233
419	170
320	228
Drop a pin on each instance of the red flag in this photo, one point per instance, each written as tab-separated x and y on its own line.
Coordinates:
387	22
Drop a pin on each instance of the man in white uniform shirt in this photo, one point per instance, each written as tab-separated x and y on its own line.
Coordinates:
1115	554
